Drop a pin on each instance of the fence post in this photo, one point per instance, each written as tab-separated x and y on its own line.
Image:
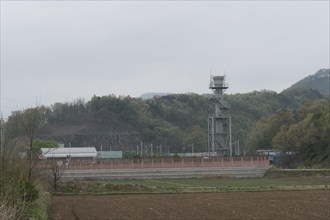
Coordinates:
258	161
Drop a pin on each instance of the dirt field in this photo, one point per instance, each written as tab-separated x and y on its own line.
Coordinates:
242	205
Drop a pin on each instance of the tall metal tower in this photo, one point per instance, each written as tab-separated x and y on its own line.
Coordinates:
219	123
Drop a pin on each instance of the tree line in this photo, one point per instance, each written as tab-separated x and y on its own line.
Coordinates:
303	130
173	121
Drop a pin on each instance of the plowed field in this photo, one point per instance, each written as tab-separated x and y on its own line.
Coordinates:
241	205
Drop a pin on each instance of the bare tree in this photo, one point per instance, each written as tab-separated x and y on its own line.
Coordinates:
8	155
57	169
2	150
30	119
12	205
8	211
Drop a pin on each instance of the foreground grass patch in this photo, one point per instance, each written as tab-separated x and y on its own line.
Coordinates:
192	185
38	209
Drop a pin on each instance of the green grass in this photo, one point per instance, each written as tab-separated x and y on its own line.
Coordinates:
273	172
38	209
274	179
243	182
135	186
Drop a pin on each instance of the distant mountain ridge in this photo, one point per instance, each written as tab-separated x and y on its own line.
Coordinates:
319	81
151	95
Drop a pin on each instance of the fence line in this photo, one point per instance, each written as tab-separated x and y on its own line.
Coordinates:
254	161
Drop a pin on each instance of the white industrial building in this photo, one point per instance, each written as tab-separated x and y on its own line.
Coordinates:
110	154
71	152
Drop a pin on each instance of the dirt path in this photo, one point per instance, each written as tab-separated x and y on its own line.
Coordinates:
243	205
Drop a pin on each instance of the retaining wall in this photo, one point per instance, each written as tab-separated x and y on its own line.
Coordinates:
159	173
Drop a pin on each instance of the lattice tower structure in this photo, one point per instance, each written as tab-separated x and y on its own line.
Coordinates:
219	123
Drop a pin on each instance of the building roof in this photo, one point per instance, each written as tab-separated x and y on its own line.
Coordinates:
71	152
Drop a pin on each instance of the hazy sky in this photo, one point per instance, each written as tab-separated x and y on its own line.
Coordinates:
60	51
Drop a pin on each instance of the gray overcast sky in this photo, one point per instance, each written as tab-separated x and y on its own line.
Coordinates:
60	51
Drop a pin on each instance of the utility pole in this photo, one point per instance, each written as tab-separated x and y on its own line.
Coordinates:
238	148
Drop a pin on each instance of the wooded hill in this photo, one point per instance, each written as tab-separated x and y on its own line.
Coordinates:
319	81
260	120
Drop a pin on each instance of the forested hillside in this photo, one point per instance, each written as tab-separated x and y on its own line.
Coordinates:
319	81
172	121
260	120
303	130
